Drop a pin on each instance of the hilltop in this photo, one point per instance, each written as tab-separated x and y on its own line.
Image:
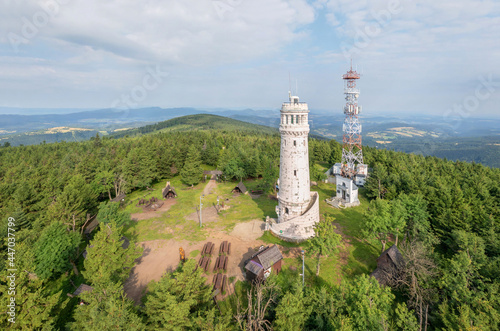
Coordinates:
199	122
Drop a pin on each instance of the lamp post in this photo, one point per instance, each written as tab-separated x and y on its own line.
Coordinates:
302	268
202	196
218	204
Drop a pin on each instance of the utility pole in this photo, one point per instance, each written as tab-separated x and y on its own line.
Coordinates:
303	268
201	196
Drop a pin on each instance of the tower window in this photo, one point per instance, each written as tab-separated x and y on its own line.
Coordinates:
294	143
295	172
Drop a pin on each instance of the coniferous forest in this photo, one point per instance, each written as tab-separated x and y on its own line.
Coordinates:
443	215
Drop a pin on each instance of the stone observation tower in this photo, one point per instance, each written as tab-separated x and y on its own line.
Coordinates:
298	207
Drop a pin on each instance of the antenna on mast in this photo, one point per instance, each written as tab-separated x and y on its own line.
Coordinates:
297	87
289	86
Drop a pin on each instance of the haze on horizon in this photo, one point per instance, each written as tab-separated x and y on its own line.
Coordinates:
426	57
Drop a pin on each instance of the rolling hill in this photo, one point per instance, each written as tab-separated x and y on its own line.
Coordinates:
198	122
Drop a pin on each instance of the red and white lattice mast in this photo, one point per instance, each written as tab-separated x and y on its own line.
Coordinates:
352	152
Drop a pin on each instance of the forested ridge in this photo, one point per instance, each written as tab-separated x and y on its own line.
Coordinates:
445	215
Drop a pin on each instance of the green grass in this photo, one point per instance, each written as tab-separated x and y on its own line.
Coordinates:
361	253
328	275
268	238
171	224
357	257
242	207
194	253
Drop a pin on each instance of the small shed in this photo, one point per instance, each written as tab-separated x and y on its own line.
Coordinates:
118	198
389	264
91	226
169	192
125	243
240	188
210	173
81	289
263	263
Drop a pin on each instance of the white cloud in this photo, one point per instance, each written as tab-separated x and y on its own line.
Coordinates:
193	32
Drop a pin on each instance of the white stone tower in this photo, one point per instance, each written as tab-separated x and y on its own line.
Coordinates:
298	207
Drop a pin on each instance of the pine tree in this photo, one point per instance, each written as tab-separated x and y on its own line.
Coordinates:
325	241
54	250
106	308
175	301
191	172
107	261
292	312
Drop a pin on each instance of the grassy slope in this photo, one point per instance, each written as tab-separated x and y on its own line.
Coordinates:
243	208
198	122
356	257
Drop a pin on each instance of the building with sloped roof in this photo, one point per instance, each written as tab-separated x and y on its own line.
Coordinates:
389	264
263	263
168	191
240	188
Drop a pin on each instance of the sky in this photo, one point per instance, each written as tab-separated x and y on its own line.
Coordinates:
415	57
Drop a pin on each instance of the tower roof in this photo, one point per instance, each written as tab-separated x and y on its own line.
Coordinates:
293	104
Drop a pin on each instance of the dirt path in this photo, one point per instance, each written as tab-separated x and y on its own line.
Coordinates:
162	256
210	187
167	203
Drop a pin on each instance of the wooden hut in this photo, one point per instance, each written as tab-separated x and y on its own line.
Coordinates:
389	264
169	192
263	263
118	198
240	188
82	288
210	173
90	227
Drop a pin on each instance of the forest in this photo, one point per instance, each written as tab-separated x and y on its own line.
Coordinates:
443	215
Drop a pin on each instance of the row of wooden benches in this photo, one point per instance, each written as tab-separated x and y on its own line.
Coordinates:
220	282
204	262
221	263
224	249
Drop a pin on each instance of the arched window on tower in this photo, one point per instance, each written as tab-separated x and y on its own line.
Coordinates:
295	143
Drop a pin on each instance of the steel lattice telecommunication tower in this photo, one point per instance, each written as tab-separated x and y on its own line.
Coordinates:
352	153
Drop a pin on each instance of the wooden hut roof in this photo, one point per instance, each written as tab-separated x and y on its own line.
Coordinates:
389	264
118	198
254	267
212	172
167	189
82	288
269	256
395	255
91	226
125	243
242	187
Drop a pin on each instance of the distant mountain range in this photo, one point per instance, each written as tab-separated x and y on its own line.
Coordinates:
471	139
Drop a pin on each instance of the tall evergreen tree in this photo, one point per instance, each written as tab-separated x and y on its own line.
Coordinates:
178	300
107	260
54	250
191	172
106	308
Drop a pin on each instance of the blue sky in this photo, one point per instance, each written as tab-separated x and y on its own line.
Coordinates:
416	57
